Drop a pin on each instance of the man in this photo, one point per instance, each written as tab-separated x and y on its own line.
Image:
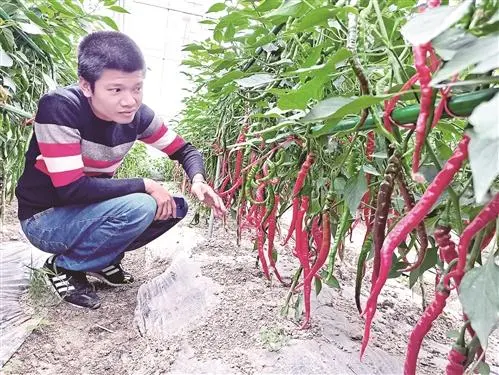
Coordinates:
68	203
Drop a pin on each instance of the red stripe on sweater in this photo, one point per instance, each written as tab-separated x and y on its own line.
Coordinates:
60	178
54	150
156	135
92	163
177	143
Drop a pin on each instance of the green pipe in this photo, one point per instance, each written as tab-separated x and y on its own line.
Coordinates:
460	105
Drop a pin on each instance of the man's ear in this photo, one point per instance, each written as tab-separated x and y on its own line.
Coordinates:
85	87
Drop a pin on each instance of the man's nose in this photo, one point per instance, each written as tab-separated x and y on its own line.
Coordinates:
127	100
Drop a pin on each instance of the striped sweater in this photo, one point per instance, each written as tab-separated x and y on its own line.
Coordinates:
73	154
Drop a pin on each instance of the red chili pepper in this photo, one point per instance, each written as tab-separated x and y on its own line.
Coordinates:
292	225
382	208
371	145
238	183
407	224
390	104
425	106
457	360
420	229
446	247
300	179
422	328
324	249
440	108
316	232
272	221
223	185
488	213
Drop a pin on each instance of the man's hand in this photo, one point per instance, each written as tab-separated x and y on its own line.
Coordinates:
207	195
166	204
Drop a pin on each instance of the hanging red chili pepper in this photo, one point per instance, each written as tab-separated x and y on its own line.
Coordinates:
300	181
382	208
407	224
422	327
487	214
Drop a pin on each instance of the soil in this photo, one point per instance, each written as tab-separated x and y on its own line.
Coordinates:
200	305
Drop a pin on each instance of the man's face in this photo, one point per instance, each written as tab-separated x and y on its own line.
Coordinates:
116	96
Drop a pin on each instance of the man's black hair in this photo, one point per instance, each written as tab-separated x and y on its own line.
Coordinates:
108	50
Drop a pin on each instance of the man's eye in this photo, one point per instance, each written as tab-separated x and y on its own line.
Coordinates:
115	91
138	89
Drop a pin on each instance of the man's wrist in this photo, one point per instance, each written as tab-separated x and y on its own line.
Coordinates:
198	178
147	185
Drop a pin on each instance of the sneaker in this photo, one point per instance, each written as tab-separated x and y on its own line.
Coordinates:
113	275
71	286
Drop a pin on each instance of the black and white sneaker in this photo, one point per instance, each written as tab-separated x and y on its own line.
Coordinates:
113	275
71	286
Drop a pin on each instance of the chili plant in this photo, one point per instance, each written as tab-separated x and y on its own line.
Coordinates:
374	113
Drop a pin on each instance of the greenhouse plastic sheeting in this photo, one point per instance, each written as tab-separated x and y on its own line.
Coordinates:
16	258
175	300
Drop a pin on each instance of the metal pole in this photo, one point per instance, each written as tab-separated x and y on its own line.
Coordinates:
460	105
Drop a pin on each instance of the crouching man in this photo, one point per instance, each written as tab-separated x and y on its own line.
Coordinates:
69	204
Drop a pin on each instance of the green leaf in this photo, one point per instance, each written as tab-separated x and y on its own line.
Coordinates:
429	261
485	118
482	49
5	59
110	22
118	9
298	99
484	161
31	28
483	368
370	169
318	285
313	56
217	7
268	5
226	78
290	8
255	80
451	40
16	110
193	47
326	108
484	146
9	82
341	55
423	27
337	108
486	65
330	281
479	295
354	191
315	17
299	307
320	16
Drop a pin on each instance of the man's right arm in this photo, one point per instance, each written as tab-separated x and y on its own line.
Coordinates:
59	141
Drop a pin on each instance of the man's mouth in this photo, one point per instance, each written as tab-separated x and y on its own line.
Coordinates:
127	113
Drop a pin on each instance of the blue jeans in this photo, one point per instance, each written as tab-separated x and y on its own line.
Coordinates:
93	236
